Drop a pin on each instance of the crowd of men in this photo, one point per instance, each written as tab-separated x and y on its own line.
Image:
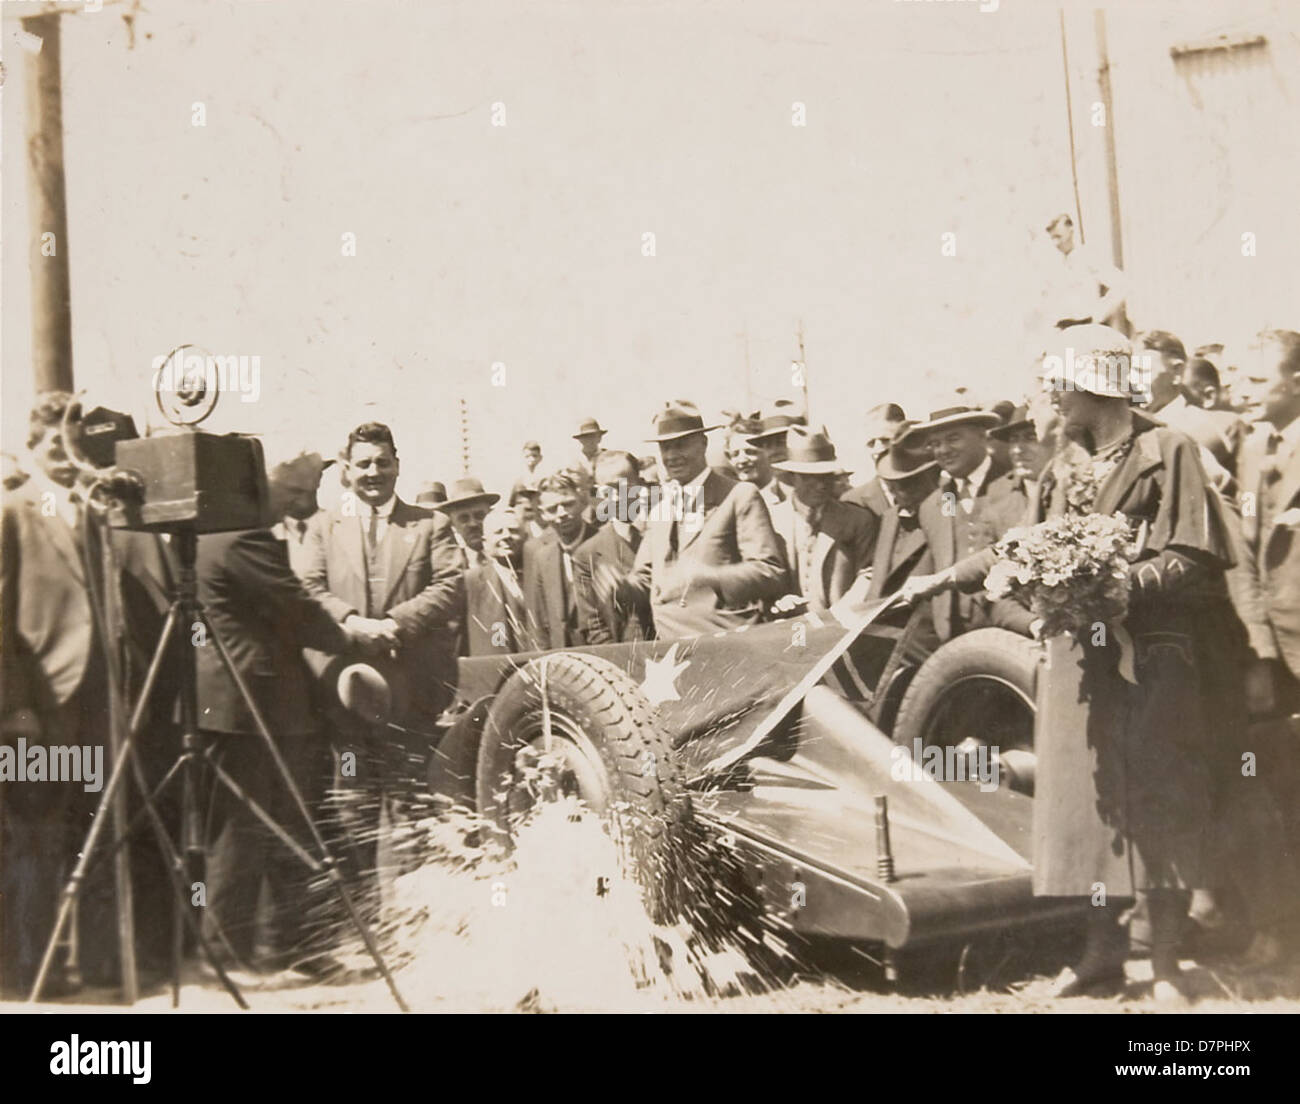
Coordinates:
347	623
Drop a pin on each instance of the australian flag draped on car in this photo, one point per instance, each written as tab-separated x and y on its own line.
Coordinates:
717	696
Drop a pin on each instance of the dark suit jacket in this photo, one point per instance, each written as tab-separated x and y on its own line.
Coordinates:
608	611
869	496
722	574
495	621
954	535
48	635
1266	584
47	639
900	551
265	616
425	591
546	593
842	551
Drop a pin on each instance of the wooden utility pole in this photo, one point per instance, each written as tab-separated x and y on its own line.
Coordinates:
1069	123
1112	165
47	208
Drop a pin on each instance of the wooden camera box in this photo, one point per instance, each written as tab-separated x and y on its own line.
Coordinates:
206	482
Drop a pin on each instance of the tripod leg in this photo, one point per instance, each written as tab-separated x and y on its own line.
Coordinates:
335	877
73	886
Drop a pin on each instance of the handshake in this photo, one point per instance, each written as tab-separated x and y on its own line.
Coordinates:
372	636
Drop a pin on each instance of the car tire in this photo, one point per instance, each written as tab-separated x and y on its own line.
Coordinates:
981	684
614	758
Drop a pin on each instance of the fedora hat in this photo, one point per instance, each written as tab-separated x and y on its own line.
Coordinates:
467	490
904	458
951	416
374	691
810	453
431	494
587	427
1018	420
678	418
777	419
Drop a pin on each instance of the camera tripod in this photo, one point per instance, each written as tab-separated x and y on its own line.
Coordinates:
185	861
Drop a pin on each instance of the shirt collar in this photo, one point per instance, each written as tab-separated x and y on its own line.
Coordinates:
383	512
975	480
1291	435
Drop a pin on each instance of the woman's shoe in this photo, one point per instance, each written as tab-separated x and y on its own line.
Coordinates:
1104	981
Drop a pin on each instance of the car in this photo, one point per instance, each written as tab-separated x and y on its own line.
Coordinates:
867	788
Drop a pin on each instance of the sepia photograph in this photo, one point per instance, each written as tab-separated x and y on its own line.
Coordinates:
650	506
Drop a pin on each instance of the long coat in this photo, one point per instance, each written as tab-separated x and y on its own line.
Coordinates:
1124	780
721	574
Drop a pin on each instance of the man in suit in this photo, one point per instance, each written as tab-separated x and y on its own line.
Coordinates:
883	424
911	476
54	691
710	559
751	462
1268	476
298	480
590	434
608	610
496	616
769	439
549	586
828	545
1177	403
969	511
390	573
466	507
265	617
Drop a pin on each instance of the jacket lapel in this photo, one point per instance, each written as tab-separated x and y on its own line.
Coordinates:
60	537
712	493
400	539
1289	486
348	532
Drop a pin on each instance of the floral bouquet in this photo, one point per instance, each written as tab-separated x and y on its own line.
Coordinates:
1071	571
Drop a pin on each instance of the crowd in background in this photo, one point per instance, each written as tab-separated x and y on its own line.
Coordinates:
347	623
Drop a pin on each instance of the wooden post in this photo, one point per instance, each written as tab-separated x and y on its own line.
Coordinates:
47	204
1112	167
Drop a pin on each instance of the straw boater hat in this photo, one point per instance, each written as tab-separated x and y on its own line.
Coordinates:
810	453
465	491
588	427
678	418
905	459
776	420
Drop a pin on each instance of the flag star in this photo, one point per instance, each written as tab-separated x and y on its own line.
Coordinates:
660	676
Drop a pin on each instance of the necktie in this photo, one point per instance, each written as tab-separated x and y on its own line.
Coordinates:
373	582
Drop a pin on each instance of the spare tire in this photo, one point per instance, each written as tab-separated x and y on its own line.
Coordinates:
980	685
604	748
